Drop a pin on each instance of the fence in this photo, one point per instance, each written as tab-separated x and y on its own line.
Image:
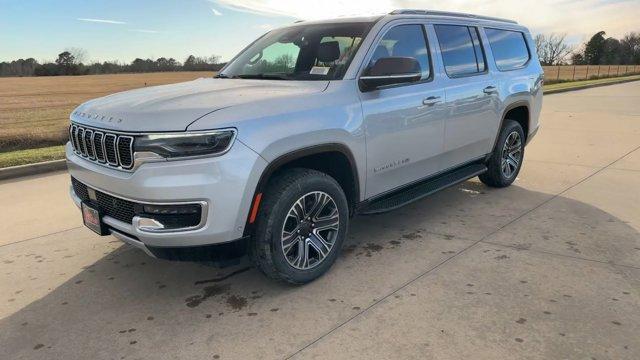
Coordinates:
583	72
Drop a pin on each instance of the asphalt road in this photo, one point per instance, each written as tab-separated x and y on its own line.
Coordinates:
548	268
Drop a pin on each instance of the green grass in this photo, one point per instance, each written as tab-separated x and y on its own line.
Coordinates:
30	156
576	84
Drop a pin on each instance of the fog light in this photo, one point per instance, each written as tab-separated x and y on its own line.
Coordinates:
172	209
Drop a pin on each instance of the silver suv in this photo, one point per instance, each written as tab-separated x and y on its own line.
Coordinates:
309	125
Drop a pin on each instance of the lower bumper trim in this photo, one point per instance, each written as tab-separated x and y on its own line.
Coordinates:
131	241
218	254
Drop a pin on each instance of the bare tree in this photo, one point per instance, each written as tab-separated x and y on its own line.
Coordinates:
79	54
213	59
552	49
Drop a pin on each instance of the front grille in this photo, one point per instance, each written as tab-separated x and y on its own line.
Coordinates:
106	148
112	206
124	153
80	189
97	145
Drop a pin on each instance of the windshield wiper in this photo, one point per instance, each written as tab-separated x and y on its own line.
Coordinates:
263	76
222	76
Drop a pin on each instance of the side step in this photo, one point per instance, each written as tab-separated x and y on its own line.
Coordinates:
419	190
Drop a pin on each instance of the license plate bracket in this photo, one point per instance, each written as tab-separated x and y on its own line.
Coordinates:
92	218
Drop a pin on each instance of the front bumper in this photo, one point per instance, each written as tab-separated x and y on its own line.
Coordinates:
224	185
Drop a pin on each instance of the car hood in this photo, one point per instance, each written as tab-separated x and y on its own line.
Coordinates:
173	107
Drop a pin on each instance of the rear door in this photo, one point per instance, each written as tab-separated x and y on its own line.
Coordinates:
472	101
404	123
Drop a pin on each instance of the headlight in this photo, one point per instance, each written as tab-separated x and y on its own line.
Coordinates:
187	144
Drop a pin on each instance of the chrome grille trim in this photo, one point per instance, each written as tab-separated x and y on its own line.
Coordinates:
98	145
125	164
88	143
80	137
75	138
72	138
103	147
110	140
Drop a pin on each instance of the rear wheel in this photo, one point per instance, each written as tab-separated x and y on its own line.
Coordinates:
506	160
301	226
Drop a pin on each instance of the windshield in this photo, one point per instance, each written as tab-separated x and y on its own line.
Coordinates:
301	52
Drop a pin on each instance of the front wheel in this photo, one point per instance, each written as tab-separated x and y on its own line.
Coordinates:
301	226
506	160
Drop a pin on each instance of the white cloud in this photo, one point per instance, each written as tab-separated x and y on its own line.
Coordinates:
579	19
103	21
265	27
216	12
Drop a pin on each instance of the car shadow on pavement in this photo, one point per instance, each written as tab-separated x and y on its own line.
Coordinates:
129	305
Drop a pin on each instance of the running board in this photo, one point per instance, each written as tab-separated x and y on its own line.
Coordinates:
419	190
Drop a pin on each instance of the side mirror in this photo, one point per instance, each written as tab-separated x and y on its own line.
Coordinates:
390	71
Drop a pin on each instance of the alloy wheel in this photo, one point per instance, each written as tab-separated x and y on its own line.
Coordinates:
310	230
511	155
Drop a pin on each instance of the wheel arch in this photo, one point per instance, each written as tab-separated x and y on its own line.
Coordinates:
519	111
335	159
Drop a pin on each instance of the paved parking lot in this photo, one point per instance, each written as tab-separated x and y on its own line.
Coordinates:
548	268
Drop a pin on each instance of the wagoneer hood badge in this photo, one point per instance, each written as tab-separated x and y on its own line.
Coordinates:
174	107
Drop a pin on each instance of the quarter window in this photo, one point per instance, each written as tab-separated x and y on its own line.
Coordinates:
405	41
461	49
509	48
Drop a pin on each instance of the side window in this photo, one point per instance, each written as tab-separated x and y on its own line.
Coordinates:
509	48
405	41
461	50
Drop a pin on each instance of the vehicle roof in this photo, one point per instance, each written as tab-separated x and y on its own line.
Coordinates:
422	14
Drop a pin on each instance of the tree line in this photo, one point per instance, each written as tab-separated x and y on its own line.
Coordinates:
553	49
71	62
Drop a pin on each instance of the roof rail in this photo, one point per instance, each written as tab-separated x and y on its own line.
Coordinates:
448	14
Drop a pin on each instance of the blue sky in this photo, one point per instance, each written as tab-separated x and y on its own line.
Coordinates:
137	28
126	29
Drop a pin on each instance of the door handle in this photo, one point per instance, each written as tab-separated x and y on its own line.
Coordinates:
490	90
431	100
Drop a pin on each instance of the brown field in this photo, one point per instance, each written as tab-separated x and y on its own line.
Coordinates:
34	111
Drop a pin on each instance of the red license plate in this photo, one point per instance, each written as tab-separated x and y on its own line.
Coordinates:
92	219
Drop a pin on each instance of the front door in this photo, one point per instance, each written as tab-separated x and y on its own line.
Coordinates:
404	123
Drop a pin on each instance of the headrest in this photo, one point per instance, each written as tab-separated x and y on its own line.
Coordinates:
328	51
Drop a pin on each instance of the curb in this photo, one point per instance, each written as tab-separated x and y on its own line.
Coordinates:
589	86
32	169
56	165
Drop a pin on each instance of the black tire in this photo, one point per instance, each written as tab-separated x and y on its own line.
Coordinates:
282	193
495	176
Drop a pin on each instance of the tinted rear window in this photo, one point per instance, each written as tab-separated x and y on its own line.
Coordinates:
461	50
509	48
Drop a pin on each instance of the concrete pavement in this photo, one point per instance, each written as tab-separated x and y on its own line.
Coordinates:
548	268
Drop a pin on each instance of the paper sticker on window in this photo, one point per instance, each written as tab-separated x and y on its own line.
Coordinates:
319	70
